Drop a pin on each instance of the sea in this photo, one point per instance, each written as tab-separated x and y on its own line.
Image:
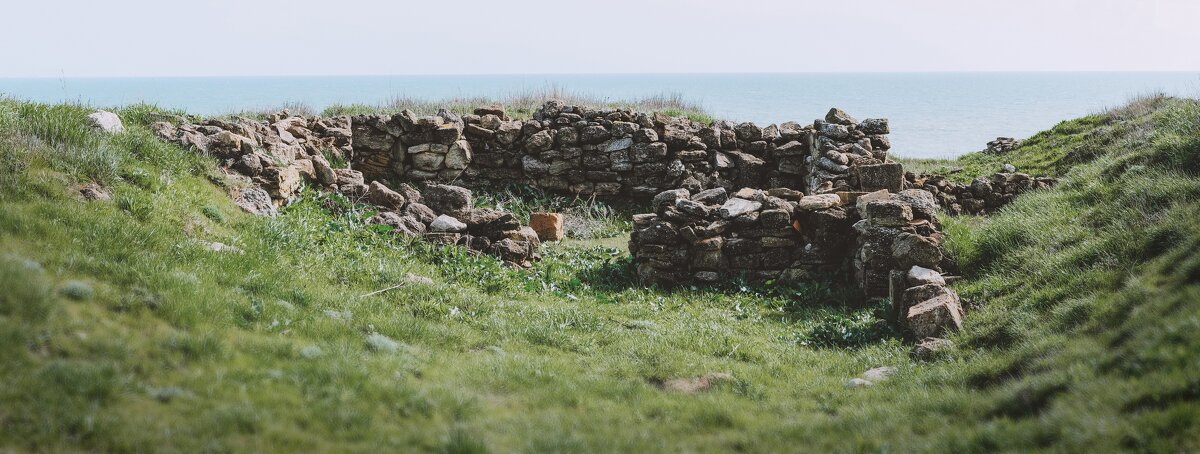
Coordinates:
932	115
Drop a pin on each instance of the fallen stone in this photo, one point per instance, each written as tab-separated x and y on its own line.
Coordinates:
106	121
668	198
935	316
879	374
382	196
446	223
417	280
930	347
549	226
447	199
858	383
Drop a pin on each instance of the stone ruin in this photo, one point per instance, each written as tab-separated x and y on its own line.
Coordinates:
619	152
872	241
984	195
1002	145
790	202
267	161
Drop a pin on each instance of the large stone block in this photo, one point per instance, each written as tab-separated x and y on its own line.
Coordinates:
874	177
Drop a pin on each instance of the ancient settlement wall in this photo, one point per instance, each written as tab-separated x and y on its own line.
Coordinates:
618	152
790	202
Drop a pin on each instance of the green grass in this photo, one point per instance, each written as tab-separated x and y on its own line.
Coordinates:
119	331
1056	151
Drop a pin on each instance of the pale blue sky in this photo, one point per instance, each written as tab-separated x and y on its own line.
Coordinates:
84	38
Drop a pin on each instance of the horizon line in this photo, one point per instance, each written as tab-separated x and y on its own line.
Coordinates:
715	73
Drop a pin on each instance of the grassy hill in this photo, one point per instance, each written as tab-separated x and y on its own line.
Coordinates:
122	330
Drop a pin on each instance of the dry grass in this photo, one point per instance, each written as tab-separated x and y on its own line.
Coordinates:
522	104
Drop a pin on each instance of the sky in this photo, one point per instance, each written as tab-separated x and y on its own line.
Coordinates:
122	38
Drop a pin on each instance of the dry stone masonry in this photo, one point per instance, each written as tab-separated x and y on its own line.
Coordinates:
587	151
984	195
268	161
791	202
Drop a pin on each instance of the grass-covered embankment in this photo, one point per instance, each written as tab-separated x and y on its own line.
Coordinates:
122	331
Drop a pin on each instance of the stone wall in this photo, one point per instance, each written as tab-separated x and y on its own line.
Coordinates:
984	195
266	163
882	243
578	150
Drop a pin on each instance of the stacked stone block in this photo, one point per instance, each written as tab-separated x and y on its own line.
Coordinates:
984	195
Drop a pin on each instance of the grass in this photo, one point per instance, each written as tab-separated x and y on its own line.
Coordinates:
1056	151
522	104
122	332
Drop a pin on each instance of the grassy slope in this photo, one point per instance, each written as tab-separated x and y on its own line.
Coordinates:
121	332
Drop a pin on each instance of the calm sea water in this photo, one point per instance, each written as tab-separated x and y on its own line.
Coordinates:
932	114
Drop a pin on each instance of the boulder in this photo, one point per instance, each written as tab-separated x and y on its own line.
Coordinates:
382	196
935	316
447	199
930	347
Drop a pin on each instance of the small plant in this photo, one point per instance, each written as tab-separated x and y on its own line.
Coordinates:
77	290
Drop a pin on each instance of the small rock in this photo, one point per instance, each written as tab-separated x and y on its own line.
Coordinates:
1009	168
417	279
639	324
447	223
383	344
858	383
929	347
879	374
106	121
310	352
220	247
94	193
